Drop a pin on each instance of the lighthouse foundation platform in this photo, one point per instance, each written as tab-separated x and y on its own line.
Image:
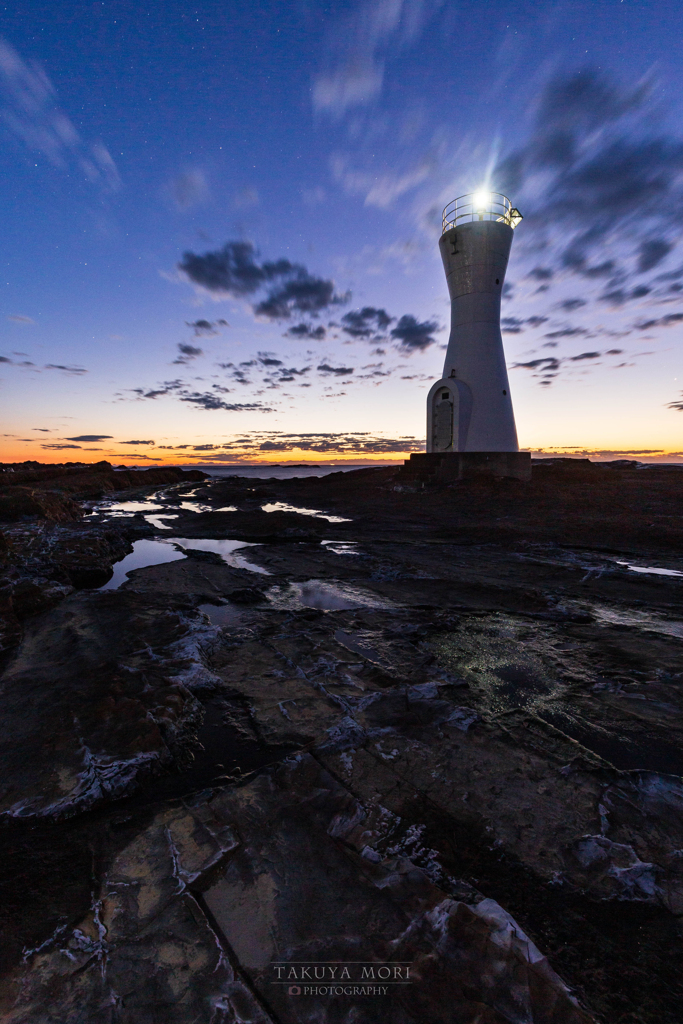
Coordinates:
435	468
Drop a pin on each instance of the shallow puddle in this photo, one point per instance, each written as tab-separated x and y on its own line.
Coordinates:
157	521
157	552
144	553
164	503
651	569
341	547
225	548
324	596
194	506
127	508
282	506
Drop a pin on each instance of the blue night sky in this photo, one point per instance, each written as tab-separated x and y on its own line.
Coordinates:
220	222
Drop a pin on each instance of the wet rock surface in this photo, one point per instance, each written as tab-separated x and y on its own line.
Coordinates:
438	731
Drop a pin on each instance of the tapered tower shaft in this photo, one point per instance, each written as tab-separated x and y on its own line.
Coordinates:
470	409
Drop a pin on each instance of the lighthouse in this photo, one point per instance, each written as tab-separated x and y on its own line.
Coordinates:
470	419
470	408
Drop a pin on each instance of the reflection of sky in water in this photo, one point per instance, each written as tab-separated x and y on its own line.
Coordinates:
157	502
589	561
194	506
144	553
156	552
324	596
225	548
651	569
282	506
316	594
341	547
126	508
132	506
158	521
161	503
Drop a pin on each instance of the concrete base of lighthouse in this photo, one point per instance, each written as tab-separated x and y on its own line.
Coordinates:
447	467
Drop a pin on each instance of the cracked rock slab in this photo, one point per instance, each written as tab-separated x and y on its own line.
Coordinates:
296	891
96	695
145	951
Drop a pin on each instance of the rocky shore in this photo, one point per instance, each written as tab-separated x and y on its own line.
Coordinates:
254	728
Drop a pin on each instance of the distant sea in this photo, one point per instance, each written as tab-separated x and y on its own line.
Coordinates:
286	471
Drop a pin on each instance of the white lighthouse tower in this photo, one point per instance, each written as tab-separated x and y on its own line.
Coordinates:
469	411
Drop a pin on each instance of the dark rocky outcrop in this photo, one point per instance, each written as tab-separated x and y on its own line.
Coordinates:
254	526
446	734
31	490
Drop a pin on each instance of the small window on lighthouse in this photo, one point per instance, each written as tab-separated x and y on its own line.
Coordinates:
445	395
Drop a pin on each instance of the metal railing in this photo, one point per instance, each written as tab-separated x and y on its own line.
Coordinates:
480	206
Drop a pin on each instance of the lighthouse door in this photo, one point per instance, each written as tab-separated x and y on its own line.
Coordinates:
443	421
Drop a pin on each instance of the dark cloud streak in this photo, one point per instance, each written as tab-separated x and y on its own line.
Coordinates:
611	173
235	270
338	371
90	438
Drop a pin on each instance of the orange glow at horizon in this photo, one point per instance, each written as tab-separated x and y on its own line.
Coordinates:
11	453
17	452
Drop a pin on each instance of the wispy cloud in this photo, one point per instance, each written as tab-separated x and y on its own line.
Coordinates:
75	371
208	400
620	296
206	327
12	362
513	325
188	190
304	330
669	320
32	113
245	198
547	368
567	332
380	190
359	43
600	180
